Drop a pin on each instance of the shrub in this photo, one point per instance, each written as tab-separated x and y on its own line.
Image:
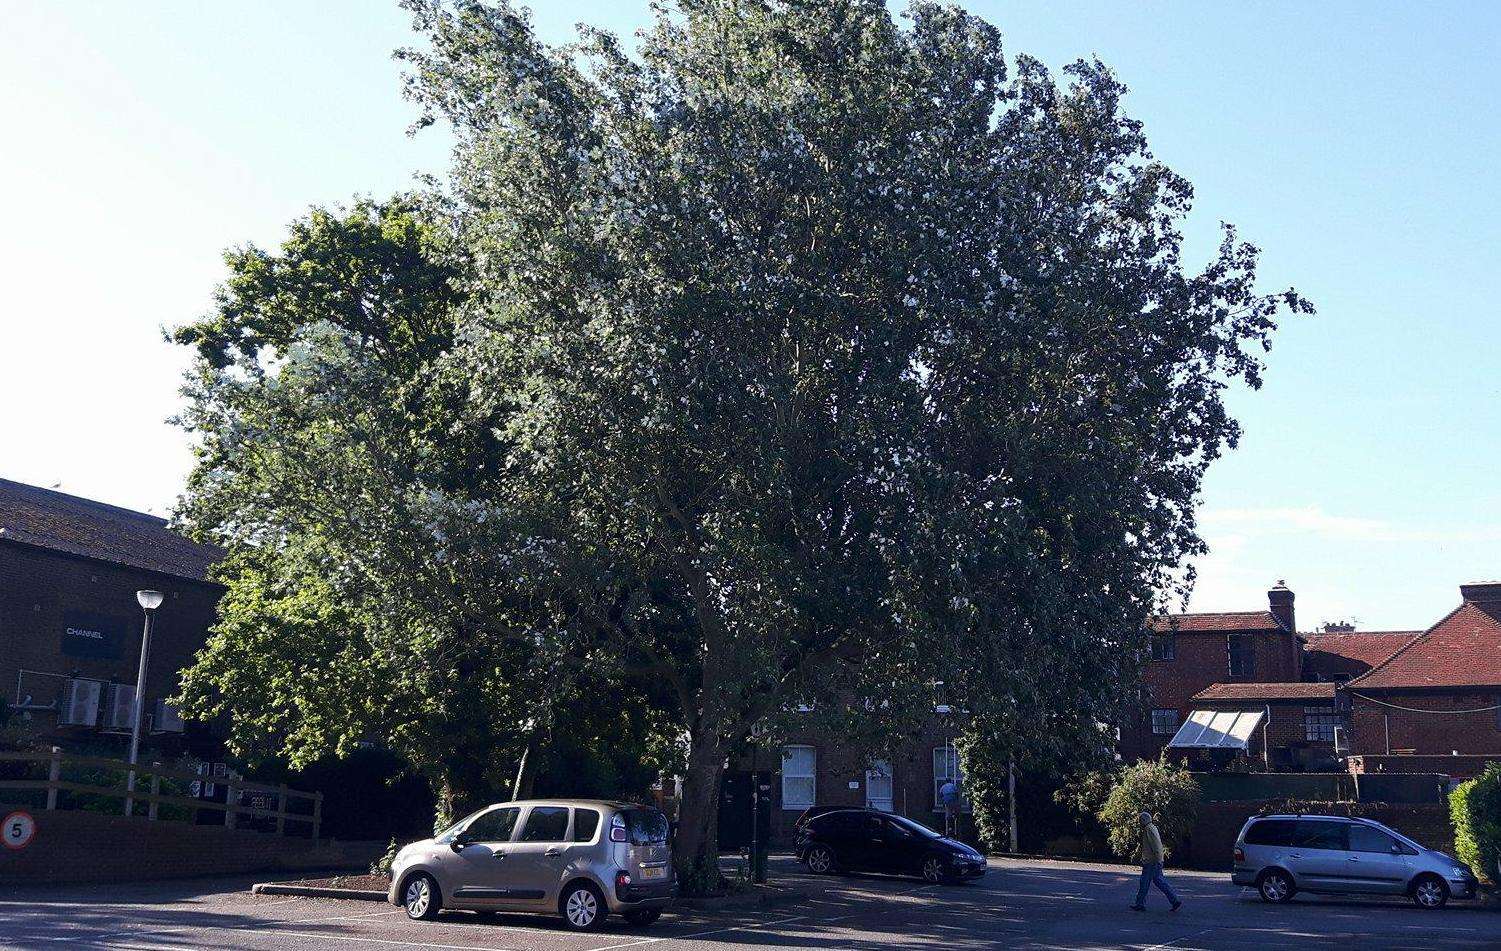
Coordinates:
1475	808
1169	792
382	865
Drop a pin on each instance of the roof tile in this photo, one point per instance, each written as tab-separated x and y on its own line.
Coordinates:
78	526
1462	650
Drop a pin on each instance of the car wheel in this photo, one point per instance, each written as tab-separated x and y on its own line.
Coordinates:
935	869
583	907
1275	887
643	917
821	860
1430	891
421	897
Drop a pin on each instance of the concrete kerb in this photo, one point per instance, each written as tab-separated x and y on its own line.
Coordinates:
317	891
758	896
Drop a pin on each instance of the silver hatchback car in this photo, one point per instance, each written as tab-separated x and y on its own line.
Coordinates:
1283	855
581	859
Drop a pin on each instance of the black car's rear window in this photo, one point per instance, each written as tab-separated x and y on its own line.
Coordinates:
646	826
1270	832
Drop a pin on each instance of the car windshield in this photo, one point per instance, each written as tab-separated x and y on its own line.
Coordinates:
449	832
917	827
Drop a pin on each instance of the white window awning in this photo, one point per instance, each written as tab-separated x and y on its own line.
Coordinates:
1216	730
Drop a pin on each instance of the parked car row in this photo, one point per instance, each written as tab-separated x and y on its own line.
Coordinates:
584	860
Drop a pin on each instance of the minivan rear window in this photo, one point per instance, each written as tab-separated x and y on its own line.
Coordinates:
646	826
1270	832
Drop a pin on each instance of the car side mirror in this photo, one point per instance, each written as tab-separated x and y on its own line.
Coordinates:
1396	850
459	842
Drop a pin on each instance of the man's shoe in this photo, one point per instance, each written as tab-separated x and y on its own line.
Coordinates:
1177	905
1138	908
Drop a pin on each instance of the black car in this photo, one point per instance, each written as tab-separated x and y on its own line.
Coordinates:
866	840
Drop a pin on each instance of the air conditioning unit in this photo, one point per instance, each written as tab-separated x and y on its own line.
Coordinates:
1341	741
79	705
122	707
165	718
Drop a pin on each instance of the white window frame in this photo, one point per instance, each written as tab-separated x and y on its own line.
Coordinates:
946	766
880	773
792	796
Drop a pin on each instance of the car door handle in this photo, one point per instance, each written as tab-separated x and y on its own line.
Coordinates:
499	855
553	851
1294	855
1354	858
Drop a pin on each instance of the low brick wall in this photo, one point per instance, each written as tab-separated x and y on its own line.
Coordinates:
89	847
1214	833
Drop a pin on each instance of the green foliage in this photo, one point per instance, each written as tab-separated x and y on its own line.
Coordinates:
793	355
1475	808
1168	792
382	865
1061	741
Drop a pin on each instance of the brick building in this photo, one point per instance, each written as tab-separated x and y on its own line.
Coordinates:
813	768
70	627
1191	652
1438	695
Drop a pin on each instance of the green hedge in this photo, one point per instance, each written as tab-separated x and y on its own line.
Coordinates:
1475	807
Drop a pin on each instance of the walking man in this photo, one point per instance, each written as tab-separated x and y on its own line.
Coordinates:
1151	865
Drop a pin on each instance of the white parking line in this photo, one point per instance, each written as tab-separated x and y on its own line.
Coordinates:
747	926
1169	944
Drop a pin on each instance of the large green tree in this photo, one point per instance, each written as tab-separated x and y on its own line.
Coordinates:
800	355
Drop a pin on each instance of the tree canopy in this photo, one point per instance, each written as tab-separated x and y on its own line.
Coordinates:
798	355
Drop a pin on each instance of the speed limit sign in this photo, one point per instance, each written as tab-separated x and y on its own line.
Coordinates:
17	830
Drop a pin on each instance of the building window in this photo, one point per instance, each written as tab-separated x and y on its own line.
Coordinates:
1319	724
1163	646
878	786
945	768
799	776
1164	722
1242	655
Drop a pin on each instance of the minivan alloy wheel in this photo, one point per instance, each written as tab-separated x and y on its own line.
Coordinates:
1275	887
1430	893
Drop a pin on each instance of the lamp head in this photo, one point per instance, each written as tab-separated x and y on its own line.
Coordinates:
149	600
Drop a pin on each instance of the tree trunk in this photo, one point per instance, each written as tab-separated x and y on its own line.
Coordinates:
697	845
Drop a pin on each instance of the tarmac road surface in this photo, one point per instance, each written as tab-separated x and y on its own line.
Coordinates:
1018	904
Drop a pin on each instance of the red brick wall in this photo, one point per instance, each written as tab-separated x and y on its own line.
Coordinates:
1201	658
1425	733
838	765
87	847
38	587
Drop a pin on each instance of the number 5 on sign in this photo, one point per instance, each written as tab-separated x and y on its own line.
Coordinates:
17	830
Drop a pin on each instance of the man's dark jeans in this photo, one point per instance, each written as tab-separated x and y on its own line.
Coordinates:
1151	874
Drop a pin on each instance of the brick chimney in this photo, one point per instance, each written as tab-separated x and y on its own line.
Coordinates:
1481	591
1280	598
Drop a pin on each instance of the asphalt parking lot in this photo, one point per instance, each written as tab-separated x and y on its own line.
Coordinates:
1017	905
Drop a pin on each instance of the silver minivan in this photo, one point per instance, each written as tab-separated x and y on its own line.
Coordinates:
581	859
1283	855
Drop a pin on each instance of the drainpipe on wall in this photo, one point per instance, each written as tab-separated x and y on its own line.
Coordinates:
1386	723
1266	745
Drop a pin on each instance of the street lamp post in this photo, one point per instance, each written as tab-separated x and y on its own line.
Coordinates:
149	602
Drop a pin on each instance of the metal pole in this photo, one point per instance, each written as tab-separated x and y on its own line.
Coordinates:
1011	800
140	703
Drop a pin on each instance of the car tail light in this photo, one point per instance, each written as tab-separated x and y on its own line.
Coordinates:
1240	854
617	830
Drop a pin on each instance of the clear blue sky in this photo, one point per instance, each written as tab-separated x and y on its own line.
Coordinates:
1355	143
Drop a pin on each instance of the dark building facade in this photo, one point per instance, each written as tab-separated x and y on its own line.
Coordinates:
70	626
